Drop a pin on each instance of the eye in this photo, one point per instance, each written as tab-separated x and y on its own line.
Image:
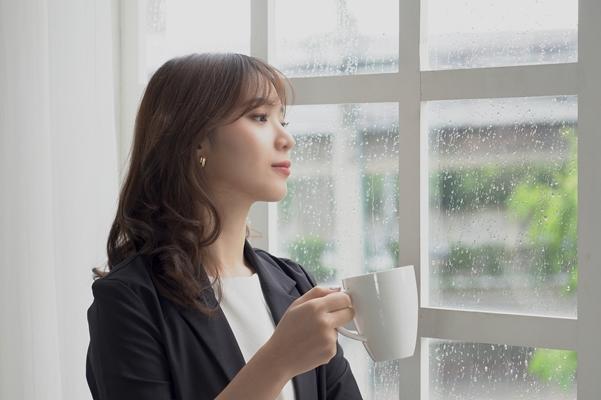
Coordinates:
262	116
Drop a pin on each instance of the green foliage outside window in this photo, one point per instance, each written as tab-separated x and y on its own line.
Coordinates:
308	252
393	250
557	366
481	260
373	194
551	212
468	189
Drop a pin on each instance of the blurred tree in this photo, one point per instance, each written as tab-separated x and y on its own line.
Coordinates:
551	212
486	259
393	250
308	252
557	366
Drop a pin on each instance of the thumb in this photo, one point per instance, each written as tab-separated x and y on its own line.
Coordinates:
314	293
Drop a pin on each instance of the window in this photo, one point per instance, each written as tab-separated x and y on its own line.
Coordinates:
491	33
342	37
340	217
502	216
456	136
474	371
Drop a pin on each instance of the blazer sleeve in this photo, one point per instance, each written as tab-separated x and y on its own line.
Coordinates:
125	357
340	382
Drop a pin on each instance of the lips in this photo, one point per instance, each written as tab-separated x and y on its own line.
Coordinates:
282	167
285	164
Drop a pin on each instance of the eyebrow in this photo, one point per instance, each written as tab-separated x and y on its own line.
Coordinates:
264	101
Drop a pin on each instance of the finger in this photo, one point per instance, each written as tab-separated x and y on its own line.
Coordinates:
314	293
336	301
341	317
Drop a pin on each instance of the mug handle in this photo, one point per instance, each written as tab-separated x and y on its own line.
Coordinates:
350	333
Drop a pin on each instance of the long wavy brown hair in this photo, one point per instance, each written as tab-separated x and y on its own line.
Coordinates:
165	210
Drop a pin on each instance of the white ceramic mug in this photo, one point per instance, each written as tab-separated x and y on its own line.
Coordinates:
385	304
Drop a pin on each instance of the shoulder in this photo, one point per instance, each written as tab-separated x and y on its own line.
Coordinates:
290	267
125	308
131	277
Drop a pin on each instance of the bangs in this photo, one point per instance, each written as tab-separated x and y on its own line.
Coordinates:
257	90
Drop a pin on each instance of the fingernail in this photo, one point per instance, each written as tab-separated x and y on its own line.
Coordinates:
335	287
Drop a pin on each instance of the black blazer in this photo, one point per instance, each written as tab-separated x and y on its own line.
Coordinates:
143	346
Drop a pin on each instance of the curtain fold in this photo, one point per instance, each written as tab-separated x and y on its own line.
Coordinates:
58	187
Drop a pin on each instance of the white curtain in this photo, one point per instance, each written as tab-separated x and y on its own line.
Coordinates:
58	187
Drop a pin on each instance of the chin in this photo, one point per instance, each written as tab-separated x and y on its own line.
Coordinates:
276	194
275	198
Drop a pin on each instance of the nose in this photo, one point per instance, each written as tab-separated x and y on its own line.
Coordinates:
285	140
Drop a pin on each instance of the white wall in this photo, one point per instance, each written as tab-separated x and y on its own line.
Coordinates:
58	185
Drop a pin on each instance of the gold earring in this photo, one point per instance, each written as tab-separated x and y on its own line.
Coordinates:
202	161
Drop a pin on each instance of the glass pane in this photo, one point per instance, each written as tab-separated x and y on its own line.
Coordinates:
501	228
488	33
171	28
336	37
479	371
340	215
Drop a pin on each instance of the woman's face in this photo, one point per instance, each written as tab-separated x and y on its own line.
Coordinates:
240	159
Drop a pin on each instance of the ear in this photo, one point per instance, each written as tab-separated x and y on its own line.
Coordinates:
204	148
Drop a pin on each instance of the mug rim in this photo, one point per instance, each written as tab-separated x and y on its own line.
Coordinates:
384	272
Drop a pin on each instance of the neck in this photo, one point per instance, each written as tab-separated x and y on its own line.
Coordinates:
226	254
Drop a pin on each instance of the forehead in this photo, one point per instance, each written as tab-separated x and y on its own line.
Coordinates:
260	92
270	102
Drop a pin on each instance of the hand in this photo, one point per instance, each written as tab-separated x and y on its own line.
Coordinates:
306	335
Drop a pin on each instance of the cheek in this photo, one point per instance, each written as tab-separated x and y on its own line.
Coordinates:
246	149
242	153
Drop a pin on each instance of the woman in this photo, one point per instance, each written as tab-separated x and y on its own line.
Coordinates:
188	309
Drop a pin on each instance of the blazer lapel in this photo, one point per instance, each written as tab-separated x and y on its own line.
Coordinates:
278	288
279	291
217	334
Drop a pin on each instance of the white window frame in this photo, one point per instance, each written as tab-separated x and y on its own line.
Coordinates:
409	87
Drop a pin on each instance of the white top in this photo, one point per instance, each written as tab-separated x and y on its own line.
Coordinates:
249	317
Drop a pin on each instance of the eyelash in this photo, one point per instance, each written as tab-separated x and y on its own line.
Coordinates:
284	124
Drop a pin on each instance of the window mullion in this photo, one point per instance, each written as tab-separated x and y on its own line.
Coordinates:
510	329
260	26
262	214
522	81
408	97
589	200
365	88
